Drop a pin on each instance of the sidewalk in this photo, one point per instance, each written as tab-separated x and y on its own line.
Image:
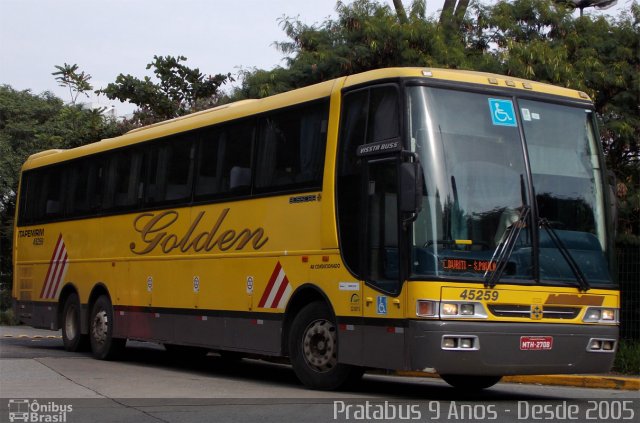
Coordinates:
608	381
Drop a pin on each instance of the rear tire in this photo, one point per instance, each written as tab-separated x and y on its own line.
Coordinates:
471	383
103	345
313	349
72	336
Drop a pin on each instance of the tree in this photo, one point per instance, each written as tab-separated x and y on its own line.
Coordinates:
365	35
77	83
179	90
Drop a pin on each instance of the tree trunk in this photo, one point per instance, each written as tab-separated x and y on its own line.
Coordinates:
402	14
461	9
447	10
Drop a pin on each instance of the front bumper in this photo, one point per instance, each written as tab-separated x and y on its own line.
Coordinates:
499	352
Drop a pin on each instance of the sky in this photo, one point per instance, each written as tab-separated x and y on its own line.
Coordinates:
109	37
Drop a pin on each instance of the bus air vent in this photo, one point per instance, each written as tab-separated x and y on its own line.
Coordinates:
524	311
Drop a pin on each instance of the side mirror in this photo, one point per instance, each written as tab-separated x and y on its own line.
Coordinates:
410	187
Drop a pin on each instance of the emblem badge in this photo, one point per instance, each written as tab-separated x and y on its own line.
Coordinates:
537	312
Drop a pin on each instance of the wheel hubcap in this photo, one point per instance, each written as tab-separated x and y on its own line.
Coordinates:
319	345
100	326
70	327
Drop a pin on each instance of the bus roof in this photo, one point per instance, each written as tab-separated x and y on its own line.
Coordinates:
250	107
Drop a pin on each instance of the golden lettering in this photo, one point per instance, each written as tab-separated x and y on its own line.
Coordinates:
154	230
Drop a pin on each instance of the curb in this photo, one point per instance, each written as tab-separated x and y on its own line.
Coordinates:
580	381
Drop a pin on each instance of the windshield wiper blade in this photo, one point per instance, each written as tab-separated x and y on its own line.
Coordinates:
583	283
506	248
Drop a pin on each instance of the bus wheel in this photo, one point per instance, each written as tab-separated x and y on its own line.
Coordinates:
72	337
313	349
103	345
471	383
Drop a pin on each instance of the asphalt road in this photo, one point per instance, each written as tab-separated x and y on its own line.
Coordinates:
39	377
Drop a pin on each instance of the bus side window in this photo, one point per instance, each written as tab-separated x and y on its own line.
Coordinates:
86	187
291	149
224	161
211	154
238	149
169	171
123	190
53	192
30	200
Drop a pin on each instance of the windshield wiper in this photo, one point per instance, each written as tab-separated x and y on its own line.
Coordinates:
583	283
504	250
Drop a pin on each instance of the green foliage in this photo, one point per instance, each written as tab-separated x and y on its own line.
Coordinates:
179	90
628	357
31	123
366	35
77	83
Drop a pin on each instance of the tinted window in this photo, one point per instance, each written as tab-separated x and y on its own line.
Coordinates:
368	116
124	187
214	163
291	148
87	180
169	171
224	162
50	204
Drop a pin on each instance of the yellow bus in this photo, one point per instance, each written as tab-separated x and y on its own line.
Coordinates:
436	220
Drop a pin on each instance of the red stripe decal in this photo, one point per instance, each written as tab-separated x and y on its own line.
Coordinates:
56	284
53	256
269	287
56	266
283	287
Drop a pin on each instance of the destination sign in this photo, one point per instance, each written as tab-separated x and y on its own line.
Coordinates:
467	265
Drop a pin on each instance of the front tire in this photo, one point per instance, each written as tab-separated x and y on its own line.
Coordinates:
471	383
103	345
313	349
72	336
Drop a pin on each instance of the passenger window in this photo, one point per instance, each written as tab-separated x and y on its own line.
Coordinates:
53	192
125	186
169	172
291	149
86	183
224	162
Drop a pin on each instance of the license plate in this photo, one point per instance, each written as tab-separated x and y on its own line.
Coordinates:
536	343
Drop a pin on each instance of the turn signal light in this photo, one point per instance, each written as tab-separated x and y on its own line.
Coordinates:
427	308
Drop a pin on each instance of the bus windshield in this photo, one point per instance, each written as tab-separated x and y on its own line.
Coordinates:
476	187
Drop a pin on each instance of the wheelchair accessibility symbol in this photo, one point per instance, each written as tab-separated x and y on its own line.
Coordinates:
502	112
382	305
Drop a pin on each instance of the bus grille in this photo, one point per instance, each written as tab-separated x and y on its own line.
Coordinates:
524	311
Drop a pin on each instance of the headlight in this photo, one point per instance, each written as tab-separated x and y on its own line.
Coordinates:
600	315
450	309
